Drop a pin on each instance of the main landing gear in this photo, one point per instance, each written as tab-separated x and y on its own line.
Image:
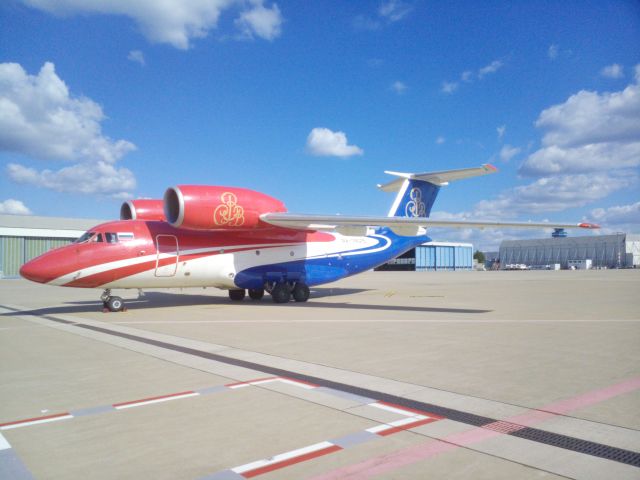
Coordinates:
112	304
280	292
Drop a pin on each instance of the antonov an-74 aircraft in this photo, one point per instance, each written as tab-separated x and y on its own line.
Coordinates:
245	241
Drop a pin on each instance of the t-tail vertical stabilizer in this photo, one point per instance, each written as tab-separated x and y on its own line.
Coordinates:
418	191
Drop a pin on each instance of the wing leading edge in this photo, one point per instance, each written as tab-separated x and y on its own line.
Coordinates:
337	222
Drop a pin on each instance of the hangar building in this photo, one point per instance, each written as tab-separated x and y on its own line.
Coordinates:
620	250
434	256
23	237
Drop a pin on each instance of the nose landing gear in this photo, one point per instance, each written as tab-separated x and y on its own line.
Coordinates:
111	304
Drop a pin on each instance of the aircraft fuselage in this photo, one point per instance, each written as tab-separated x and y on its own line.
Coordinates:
153	254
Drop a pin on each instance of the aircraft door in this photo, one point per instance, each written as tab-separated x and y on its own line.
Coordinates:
167	255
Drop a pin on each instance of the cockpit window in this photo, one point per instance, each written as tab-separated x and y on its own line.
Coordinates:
108	237
85	237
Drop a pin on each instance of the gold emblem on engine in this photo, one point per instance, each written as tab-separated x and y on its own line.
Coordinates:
228	213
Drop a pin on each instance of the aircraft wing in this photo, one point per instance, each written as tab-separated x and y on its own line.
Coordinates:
342	222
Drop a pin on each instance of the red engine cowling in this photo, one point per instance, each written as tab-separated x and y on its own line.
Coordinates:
142	209
202	207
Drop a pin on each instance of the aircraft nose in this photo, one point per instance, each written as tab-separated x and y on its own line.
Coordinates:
48	266
51	266
35	271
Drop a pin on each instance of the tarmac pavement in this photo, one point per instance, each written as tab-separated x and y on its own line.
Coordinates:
383	375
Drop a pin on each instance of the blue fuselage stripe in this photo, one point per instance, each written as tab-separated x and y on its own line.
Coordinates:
334	266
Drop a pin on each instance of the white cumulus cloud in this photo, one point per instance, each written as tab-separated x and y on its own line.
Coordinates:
324	142
175	22
261	21
612	71
553	194
618	215
501	131
88	178
553	51
555	159
591	131
39	118
14	207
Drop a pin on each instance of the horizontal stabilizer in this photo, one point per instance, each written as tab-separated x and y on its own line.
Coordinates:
436	178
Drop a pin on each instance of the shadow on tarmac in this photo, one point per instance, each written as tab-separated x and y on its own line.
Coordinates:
165	299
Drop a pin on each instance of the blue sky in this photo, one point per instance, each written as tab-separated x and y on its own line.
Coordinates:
310	102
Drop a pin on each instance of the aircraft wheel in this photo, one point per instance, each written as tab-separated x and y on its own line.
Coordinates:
256	293
301	292
237	295
281	293
115	304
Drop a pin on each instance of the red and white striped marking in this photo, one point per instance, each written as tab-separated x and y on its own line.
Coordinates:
282	460
414	418
151	400
400	425
35	421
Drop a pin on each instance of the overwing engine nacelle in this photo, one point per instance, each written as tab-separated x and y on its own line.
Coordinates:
202	207
142	209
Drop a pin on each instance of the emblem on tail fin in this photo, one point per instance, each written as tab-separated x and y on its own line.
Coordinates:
415	207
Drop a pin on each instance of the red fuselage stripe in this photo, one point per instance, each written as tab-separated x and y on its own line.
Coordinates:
111	275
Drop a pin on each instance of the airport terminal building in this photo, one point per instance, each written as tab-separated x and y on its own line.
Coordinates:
620	250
